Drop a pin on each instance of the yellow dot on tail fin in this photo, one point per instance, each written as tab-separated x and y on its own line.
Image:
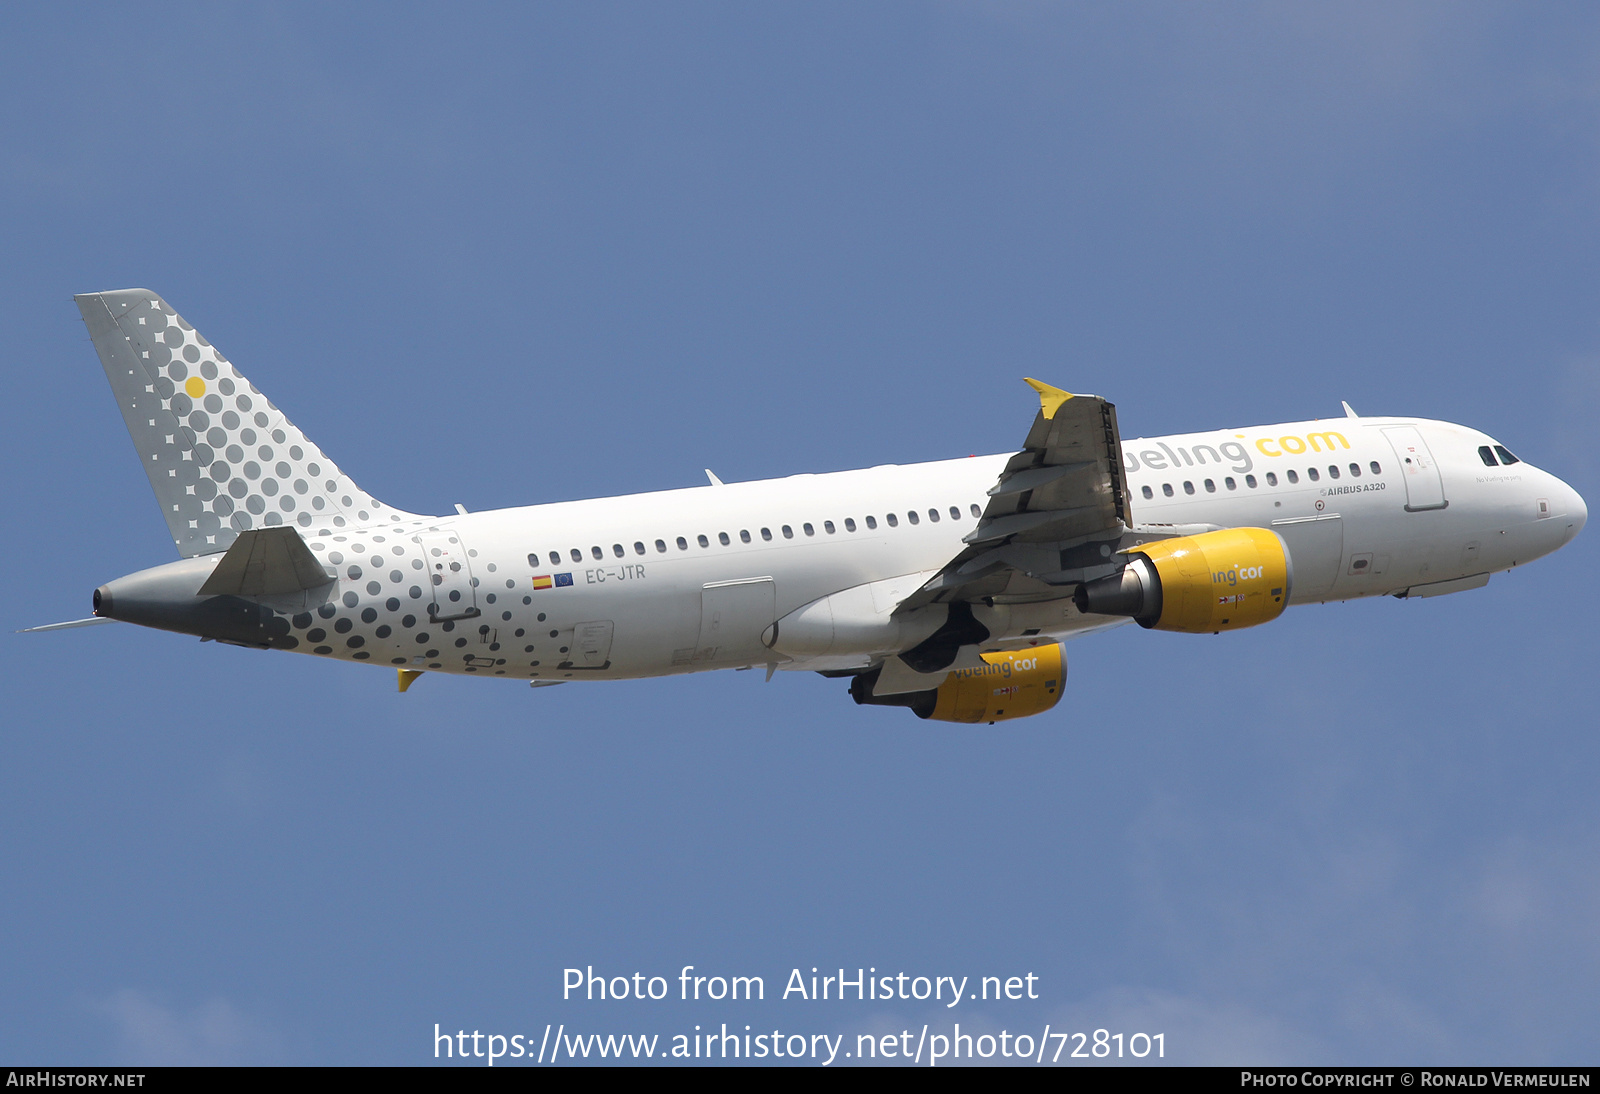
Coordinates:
195	386
1050	398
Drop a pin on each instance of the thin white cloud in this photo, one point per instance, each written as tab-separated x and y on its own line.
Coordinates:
148	1031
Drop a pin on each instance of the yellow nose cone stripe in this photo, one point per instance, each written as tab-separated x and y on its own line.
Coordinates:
195	386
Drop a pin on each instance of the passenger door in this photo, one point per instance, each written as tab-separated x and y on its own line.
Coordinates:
1424	487
450	576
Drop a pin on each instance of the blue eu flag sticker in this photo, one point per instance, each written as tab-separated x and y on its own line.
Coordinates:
563	579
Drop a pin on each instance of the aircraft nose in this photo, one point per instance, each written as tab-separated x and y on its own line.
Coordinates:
1566	508
1577	513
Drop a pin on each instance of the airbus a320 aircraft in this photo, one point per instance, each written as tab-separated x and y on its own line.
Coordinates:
944	587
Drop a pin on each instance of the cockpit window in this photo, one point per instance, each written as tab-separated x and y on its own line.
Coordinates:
1505	457
1486	455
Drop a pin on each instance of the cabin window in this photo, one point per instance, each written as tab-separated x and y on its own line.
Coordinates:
1333	471
577	555
1166	488
1188	487
1311	473
1376	470
849	524
788	533
661	546
827	526
766	534
955	514
1272	478
722	538
1355	471
977	512
810	531
744	535
1505	456
1149	493
702	540
1294	477
1211	487
872	522
616	549
555	558
596	551
894	521
1486	454
911	515
933	515
1229	483
683	544
1250	481
533	561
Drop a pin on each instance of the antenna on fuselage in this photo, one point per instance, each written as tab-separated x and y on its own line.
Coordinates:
1348	413
714	480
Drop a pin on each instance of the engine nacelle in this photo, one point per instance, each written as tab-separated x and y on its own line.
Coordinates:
1216	581
1011	684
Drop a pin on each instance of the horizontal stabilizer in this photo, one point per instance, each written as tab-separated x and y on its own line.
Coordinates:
92	621
266	562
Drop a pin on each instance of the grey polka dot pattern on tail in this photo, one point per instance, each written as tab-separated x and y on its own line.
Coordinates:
224	459
200	424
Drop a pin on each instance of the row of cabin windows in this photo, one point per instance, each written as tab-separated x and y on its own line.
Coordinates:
1487	456
828	527
1272	479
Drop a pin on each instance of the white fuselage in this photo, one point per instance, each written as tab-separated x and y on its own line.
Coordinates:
684	580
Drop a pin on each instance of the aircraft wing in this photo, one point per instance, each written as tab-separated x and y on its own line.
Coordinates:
1055	515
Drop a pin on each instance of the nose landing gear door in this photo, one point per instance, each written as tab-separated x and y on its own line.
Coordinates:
450	576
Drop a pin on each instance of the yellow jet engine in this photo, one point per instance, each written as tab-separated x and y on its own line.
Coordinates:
1009	684
1215	581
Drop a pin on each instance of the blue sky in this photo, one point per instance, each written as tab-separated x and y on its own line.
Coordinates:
501	255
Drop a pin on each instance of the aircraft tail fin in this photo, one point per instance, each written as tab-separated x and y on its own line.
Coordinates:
221	457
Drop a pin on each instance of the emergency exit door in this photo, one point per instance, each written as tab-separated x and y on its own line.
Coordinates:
732	616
